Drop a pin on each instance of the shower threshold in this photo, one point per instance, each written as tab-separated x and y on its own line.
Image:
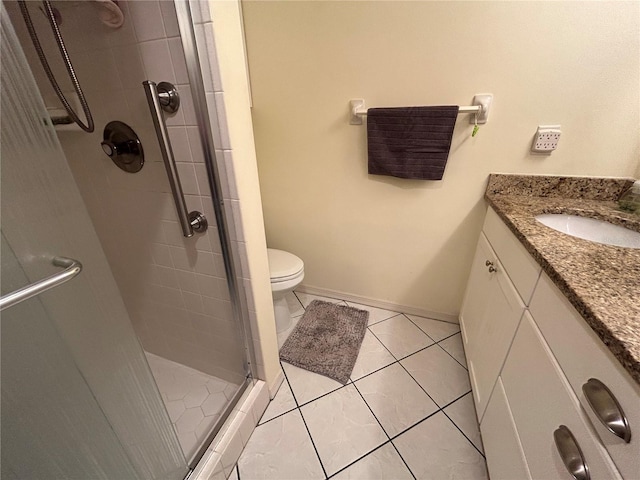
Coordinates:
194	400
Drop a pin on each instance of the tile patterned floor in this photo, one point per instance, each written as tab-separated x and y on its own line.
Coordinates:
193	399
407	411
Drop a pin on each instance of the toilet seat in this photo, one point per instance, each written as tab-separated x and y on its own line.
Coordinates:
283	266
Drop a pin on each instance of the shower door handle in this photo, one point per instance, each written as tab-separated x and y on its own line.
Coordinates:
164	96
71	269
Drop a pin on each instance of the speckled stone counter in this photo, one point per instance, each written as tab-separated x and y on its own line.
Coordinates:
601	281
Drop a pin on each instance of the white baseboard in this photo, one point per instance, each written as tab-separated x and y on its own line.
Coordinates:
325	292
275	385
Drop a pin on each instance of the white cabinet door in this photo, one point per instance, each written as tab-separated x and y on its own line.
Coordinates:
541	400
490	314
582	355
522	269
505	458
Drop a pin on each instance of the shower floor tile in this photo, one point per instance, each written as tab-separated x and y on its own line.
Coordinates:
406	413
193	399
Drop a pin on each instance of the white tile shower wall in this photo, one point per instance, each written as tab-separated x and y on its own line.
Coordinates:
174	287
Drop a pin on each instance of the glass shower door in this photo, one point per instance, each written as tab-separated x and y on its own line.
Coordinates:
78	399
52	426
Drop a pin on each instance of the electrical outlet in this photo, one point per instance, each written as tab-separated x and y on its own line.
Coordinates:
546	139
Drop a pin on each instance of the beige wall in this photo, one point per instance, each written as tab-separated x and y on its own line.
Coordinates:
410	242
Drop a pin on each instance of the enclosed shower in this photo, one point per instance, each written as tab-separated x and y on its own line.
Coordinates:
124	338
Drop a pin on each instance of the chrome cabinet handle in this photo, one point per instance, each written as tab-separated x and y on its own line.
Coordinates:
606	407
71	269
570	453
164	96
489	264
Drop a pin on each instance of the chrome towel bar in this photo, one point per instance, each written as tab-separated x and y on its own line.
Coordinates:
481	105
71	269
164	96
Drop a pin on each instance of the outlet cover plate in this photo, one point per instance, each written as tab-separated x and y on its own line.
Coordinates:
546	139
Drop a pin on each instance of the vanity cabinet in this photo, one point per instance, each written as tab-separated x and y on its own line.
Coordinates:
530	353
583	356
502	447
541	401
493	304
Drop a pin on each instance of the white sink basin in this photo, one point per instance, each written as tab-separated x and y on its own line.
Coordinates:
597	231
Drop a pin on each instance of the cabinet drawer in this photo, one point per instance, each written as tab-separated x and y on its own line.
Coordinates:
582	355
489	317
522	269
541	400
505	458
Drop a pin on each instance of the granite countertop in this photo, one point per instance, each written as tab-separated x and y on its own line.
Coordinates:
601	281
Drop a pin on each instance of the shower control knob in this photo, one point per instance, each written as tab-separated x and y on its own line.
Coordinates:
109	148
115	149
121	144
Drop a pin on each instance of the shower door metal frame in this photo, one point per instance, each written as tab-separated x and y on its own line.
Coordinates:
188	38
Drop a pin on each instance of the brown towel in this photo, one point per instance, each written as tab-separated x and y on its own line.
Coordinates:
410	142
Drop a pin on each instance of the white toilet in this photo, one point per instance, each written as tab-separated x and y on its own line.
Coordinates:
286	271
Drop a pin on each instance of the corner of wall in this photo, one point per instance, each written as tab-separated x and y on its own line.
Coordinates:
229	46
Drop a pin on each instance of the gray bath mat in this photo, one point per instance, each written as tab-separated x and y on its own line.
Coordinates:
326	340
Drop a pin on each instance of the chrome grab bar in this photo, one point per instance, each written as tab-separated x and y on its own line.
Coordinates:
71	269
164	96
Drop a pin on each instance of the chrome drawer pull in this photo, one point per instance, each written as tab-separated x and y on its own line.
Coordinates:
71	269
571	454
607	409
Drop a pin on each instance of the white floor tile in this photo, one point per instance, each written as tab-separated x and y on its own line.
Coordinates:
282	336
280	449
295	307
463	413
453	346
205	426
441	376
342	427
382	464
193	399
306	385
196	396
234	474
307	298
188	441
214	404
230	390
175	409
373	355
395	398
400	336
216	385
281	403
436	329
189	420
435	449
375	314
340	422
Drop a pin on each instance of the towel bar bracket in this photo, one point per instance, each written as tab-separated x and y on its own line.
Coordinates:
480	106
483	100
357	107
